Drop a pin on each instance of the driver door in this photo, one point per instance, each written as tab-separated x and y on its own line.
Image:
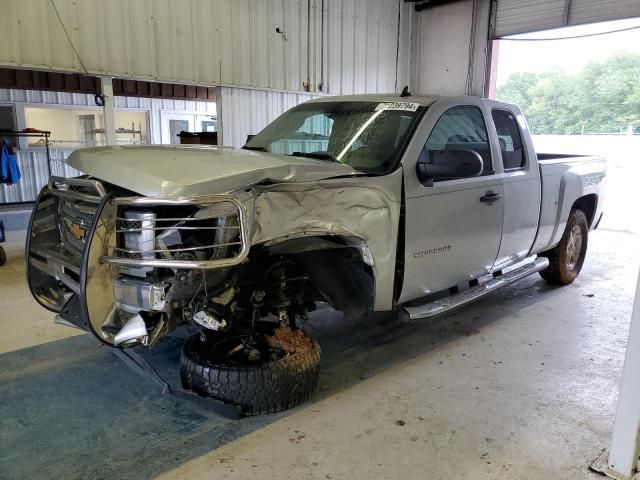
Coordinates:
453	227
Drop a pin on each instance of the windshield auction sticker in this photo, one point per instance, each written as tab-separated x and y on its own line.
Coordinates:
406	106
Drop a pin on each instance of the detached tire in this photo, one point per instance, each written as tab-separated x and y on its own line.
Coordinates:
566	259
265	388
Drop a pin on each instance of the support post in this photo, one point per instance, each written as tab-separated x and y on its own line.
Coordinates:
109	111
625	443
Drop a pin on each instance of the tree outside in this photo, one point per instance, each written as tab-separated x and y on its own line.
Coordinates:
604	98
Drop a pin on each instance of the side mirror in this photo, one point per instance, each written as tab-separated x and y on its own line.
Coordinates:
449	164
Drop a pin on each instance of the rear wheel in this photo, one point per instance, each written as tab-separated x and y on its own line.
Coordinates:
3	257
566	259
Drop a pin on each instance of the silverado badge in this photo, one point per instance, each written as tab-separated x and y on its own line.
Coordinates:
77	231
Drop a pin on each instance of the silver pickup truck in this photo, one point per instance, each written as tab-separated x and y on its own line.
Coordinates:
368	203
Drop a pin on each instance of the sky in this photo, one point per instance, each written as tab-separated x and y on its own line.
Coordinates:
571	54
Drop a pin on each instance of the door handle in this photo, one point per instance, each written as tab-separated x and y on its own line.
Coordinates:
490	197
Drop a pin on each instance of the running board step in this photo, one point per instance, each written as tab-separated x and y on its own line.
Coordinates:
443	305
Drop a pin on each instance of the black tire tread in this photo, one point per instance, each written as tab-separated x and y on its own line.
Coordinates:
556	272
268	388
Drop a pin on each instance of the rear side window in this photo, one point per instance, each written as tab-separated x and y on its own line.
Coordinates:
461	128
511	147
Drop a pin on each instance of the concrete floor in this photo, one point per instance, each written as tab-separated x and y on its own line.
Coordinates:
24	322
521	385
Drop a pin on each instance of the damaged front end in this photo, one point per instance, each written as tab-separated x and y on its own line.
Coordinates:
130	269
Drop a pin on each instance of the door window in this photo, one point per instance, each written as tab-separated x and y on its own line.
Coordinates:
461	128
207	123
511	147
173	123
8	123
175	127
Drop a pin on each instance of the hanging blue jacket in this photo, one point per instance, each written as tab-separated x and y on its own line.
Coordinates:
9	170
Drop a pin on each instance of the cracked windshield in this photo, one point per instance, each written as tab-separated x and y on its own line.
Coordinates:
368	136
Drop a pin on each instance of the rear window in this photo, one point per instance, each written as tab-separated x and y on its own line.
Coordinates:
511	147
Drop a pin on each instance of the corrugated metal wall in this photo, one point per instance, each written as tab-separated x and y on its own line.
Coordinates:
362	39
526	16
357	54
35	173
198	41
46	98
586	11
246	111
210	42
32	161
521	16
350	48
38	97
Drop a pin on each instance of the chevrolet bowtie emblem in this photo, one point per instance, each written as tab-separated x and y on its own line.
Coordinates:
77	231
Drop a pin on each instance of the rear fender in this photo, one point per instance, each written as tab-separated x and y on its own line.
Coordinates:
563	187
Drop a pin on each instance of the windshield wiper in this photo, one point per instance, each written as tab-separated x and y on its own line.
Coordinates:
317	155
257	149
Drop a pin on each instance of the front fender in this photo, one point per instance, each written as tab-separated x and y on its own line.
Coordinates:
366	209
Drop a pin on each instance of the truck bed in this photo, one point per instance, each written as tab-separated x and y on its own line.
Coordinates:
564	178
551	158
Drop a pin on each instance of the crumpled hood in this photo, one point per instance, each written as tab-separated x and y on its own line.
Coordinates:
173	171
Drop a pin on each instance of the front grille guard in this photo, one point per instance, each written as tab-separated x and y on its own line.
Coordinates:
54	271
72	189
78	286
92	191
126	257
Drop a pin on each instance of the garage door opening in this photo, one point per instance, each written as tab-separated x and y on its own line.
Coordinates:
579	89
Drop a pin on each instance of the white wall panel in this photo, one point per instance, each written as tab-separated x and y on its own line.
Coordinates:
361	51
441	57
211	42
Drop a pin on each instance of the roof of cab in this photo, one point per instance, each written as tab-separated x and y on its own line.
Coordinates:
379	97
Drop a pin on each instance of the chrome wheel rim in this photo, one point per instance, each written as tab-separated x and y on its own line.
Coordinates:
574	247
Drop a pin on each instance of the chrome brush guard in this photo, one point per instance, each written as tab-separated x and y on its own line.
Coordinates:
58	235
76	253
215	208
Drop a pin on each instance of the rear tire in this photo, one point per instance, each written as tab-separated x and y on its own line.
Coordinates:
3	257
262	388
566	259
